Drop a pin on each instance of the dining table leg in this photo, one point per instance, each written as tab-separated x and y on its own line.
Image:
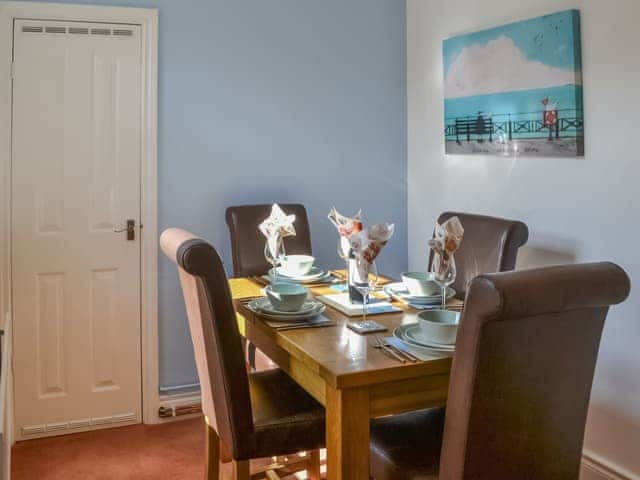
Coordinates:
347	418
212	464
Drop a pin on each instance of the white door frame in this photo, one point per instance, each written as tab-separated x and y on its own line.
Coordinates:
148	21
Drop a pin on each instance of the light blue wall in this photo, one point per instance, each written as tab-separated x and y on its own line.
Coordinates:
276	101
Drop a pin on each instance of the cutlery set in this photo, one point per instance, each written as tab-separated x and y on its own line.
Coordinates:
394	352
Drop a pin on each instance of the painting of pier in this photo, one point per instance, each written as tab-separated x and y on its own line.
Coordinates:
516	89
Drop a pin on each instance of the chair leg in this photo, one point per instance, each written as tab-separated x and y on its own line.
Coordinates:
212	465
313	470
240	469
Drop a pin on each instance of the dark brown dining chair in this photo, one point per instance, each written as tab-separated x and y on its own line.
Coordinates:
489	245
247	243
520	381
247	250
248	415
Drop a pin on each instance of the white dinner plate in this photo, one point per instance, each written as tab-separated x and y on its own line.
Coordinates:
315	274
286	317
399	292
407	333
265	305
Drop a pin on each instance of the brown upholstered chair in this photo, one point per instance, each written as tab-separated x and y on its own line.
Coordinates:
248	415
247	243
520	381
490	245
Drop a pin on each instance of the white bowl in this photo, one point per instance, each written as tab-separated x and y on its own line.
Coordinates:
439	326
421	284
286	297
296	265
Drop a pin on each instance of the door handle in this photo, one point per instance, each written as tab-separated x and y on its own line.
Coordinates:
130	229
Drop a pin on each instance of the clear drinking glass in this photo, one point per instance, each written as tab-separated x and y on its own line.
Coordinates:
444	271
364	282
276	260
344	248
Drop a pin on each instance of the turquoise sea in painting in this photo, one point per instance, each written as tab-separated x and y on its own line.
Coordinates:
518	85
521	104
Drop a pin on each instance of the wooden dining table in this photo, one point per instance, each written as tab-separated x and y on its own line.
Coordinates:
343	371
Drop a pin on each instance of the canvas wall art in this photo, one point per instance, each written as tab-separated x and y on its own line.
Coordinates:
516	89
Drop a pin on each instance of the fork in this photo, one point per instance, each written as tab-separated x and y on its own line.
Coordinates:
386	349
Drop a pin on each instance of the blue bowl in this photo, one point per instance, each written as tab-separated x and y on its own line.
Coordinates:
287	297
439	326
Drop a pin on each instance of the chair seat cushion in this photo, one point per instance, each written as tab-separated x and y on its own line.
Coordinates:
407	446
286	418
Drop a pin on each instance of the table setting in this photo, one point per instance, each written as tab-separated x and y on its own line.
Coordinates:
437	326
288	268
422	297
285	302
289	306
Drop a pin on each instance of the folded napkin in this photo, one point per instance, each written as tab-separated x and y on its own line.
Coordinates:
346	226
275	227
367	245
445	242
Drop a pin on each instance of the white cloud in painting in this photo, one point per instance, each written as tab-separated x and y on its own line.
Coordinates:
500	66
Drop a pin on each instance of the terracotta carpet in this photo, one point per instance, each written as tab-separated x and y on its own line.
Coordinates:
168	451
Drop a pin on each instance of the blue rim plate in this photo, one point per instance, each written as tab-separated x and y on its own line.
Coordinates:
315	274
406	333
399	292
265	305
254	306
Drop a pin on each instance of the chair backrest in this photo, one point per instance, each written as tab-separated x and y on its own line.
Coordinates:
490	245
247	243
523	370
216	339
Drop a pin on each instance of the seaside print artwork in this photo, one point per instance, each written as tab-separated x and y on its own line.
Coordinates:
516	89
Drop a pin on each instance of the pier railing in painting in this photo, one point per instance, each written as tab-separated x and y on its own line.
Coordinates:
549	124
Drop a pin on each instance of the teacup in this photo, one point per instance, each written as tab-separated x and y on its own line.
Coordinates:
296	265
286	297
420	284
439	326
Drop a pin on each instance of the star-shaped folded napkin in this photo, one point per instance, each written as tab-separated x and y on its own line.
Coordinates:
368	244
445	242
275	227
346	226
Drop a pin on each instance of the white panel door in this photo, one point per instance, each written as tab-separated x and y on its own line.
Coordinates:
76	145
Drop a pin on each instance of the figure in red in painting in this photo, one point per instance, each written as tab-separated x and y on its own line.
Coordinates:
549	116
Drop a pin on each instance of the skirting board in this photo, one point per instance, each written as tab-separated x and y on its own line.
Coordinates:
595	467
178	400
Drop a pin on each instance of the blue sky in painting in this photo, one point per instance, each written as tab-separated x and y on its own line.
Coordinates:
549	39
